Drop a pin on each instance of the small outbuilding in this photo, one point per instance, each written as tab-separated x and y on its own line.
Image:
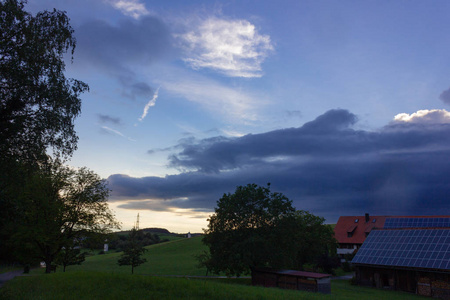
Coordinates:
291	279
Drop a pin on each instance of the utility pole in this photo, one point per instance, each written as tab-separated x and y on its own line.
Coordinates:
137	223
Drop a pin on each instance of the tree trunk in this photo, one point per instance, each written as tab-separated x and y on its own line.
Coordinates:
48	266
132	268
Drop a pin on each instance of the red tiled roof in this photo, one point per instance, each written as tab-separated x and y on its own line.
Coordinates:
346	224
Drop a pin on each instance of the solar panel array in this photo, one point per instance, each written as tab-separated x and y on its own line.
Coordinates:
417	248
391	223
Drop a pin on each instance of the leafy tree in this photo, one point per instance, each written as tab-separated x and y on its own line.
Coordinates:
314	242
239	233
133	251
254	227
60	204
70	255
38	104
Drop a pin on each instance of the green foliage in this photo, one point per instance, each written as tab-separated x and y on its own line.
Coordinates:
60	204
311	241
119	241
70	256
133	251
346	266
38	104
257	228
239	234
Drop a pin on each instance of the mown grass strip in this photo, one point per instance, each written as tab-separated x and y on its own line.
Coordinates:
99	285
95	285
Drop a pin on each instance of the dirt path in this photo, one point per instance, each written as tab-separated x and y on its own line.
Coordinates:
4	277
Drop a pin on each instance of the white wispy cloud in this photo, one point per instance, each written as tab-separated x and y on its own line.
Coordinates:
116	132
433	116
132	8
150	103
233	104
232	47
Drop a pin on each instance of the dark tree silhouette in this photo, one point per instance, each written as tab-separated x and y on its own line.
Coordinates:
254	227
38	104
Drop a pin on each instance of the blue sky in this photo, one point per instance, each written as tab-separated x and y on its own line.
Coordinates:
341	105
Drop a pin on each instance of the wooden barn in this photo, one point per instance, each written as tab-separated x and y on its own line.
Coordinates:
291	279
411	254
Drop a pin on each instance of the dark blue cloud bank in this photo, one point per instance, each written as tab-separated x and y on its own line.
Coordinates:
325	167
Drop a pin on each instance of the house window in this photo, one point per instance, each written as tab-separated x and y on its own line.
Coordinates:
374	220
349	234
356	220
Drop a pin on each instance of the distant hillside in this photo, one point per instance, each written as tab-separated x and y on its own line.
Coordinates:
157	230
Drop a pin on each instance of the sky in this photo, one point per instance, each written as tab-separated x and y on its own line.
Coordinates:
343	106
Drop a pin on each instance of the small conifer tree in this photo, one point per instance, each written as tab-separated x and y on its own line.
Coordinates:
132	252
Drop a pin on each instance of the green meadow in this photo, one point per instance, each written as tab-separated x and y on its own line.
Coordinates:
99	277
175	257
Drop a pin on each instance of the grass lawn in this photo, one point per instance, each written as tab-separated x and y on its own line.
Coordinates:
4	269
170	237
170	258
99	277
100	285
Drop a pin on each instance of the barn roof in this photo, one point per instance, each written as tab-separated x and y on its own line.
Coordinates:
355	229
422	248
293	273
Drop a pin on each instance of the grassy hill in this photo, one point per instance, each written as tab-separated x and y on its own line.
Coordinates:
99	277
170	258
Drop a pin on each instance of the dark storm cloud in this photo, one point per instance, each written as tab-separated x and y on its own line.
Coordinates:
140	42
445	96
325	166
108	119
120	49
156	150
200	189
136	90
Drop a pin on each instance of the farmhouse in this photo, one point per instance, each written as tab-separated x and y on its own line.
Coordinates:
410	254
351	231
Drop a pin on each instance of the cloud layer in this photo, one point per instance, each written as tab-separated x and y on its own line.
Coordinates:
132	8
122	50
232	47
445	96
325	166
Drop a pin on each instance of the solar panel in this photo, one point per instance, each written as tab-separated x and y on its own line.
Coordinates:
392	223
417	248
